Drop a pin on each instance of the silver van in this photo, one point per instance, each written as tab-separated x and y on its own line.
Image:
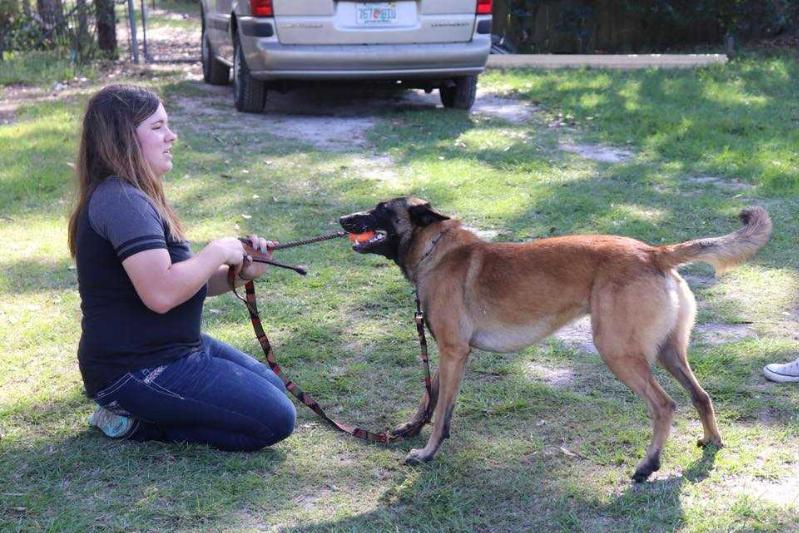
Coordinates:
428	44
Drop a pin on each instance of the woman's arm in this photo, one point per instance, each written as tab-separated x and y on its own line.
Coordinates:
163	285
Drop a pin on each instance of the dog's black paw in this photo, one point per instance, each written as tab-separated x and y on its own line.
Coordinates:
645	469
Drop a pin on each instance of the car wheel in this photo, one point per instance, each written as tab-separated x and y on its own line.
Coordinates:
459	95
214	71
249	94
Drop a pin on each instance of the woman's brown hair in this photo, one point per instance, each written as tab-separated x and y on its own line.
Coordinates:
109	147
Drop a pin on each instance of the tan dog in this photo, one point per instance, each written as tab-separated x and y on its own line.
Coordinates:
502	297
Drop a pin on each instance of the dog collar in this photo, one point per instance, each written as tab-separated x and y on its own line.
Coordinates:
429	251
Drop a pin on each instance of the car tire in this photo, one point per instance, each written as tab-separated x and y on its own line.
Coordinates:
461	94
214	71
249	94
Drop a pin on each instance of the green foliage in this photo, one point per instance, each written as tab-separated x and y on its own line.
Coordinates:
557	26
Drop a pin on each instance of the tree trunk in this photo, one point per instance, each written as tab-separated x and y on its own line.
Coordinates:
83	28
52	14
106	27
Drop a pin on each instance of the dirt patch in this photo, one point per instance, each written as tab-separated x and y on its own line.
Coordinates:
373	166
784	492
485	234
338	118
714	333
327	131
578	335
559	378
727	184
698	281
601	154
507	109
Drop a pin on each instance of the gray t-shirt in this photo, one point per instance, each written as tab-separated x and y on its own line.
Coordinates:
119	333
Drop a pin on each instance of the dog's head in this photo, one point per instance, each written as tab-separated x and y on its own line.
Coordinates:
394	222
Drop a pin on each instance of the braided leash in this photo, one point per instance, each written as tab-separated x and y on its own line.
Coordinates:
252	307
303	242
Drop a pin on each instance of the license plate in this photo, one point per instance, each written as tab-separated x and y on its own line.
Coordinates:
376	14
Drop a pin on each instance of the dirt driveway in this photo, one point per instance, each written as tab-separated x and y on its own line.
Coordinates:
338	118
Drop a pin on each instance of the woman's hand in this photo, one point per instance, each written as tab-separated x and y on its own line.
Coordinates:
252	270
230	249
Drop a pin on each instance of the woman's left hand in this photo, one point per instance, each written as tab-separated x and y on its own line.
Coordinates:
252	270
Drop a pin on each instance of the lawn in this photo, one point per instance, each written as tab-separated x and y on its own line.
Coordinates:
544	438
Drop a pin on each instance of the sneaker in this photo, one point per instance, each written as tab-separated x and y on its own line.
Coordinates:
782	373
112	424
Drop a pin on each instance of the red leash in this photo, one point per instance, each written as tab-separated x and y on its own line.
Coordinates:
250	301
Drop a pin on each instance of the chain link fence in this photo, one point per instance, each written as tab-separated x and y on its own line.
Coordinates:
68	28
84	30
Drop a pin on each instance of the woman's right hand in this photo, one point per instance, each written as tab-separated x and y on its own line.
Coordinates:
231	250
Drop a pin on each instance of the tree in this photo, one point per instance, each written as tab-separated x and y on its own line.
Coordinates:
106	27
9	11
51	13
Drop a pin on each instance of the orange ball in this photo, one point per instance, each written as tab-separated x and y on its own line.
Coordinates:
359	237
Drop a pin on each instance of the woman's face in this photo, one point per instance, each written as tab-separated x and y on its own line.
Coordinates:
156	139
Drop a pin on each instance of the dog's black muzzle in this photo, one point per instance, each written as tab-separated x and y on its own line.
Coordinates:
358	222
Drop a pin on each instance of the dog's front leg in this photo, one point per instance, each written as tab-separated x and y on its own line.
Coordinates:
450	374
423	414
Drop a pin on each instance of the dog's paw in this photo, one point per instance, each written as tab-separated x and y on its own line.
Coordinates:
411	429
645	469
416	456
710	441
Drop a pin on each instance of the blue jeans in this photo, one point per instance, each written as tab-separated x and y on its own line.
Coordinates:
217	396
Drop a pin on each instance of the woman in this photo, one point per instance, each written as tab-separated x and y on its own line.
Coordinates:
141	354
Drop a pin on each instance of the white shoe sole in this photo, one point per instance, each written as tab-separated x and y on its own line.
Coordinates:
779	378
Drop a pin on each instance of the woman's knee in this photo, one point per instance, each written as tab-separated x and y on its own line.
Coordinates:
283	423
278	424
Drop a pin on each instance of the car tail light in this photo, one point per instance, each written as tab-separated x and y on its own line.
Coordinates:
261	8
483	7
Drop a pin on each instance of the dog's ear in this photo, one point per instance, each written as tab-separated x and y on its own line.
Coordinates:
424	215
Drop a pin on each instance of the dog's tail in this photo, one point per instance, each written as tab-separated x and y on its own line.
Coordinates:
721	252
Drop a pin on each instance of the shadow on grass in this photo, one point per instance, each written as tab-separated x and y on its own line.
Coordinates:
549	504
88	482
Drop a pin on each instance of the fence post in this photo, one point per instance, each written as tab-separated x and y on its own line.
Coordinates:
134	45
144	30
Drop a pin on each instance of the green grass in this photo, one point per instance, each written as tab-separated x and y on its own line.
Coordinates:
345	332
40	69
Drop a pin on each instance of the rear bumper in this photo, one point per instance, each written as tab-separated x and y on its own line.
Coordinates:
268	59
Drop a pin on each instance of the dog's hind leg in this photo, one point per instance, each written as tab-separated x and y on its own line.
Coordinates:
628	324
423	414
636	374
673	356
452	363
